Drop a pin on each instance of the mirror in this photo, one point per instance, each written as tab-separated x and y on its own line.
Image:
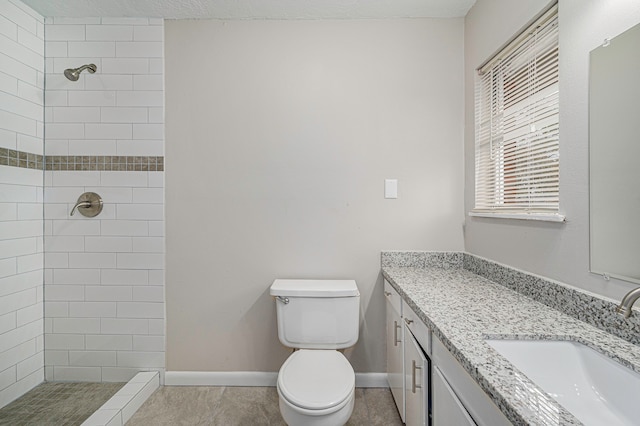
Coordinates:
614	157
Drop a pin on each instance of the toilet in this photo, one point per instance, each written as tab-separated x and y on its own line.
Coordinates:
316	384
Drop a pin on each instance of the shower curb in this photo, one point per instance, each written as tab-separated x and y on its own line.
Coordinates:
123	405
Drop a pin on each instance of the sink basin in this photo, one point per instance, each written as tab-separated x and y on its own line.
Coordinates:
594	388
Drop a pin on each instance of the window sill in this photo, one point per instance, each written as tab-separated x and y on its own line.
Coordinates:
544	217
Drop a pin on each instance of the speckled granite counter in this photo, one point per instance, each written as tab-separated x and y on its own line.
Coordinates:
463	309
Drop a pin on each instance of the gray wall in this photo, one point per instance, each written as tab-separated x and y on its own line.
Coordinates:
557	251
279	135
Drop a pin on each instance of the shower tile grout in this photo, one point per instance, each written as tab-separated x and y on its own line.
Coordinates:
58	403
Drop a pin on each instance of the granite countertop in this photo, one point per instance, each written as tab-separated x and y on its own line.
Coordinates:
463	309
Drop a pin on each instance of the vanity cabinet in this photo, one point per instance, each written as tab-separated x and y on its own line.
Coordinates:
447	408
408	347
429	386
416	382
457	399
417	386
395	348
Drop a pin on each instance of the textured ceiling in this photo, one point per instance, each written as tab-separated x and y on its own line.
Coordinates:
254	9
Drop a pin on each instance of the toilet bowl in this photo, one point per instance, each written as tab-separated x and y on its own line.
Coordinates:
316	383
316	388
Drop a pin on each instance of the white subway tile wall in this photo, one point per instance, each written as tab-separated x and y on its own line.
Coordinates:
104	276
21	238
123	101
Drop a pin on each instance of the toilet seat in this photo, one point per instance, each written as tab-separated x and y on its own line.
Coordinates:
317	382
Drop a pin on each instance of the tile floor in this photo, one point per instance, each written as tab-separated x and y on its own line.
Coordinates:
248	406
59	404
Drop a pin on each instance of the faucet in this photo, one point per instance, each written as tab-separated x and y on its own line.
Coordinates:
624	308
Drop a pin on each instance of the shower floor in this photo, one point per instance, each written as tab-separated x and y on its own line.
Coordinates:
58	404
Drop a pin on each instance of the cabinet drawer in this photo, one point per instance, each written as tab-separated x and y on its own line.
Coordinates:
447	408
417	328
481	408
393	297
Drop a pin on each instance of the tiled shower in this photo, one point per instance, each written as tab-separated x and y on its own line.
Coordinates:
81	299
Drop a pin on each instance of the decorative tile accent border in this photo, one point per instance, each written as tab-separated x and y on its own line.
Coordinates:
27	160
106	162
590	308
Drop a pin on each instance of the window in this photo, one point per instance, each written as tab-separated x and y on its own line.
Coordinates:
517	127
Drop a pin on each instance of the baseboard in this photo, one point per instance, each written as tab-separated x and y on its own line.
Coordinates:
371	380
220	378
253	378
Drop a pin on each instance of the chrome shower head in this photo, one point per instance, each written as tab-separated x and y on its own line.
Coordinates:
74	73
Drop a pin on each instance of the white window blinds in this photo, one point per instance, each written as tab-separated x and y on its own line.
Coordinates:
517	125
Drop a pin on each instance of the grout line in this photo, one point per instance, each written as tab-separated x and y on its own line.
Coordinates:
214	411
92	421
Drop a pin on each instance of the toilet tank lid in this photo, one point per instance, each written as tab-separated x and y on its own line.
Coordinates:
314	288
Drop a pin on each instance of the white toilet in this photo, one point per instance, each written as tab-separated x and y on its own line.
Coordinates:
316	383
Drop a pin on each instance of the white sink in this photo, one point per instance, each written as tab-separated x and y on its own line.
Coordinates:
591	386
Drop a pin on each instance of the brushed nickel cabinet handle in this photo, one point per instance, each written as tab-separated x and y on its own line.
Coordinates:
414	367
396	326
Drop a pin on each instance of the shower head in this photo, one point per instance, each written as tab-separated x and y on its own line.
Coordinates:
74	73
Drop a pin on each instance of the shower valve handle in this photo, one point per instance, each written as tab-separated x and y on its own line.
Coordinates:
89	204
83	204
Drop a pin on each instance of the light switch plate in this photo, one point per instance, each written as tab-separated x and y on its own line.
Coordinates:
391	188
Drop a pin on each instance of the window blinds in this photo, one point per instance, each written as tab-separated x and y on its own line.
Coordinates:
517	125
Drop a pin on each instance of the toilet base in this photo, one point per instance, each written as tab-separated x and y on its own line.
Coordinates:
294	417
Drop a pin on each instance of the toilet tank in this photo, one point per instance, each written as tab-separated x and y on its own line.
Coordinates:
317	314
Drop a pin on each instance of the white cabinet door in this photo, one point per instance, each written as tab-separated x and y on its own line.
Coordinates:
394	357
416	381
447	408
